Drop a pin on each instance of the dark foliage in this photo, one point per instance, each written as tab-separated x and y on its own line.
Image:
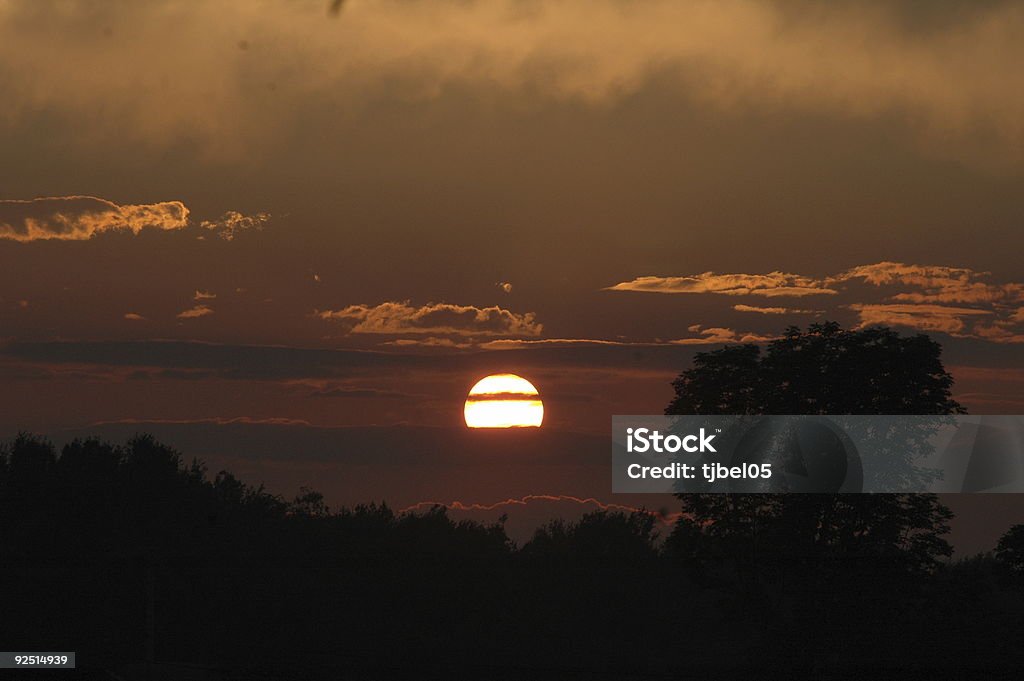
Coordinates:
823	370
827	575
127	553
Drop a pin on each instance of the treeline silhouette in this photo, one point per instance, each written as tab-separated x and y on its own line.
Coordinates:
128	553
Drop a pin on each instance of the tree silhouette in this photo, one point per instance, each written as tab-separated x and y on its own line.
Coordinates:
1010	550
128	554
823	370
846	557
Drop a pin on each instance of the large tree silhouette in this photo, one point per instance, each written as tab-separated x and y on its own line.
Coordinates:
818	560
823	370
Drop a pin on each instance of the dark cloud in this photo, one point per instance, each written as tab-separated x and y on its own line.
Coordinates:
261	362
171	375
730	55
362	394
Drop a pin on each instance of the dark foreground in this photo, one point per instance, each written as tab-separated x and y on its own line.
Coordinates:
148	568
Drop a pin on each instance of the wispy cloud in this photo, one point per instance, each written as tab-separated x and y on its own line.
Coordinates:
349	392
716	334
134	317
196	311
924	317
203	295
428	342
773	310
769	285
215	420
922	297
77	218
999	332
397	318
935	284
232	223
517	343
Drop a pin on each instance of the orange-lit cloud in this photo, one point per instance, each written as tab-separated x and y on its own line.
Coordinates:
194	312
935	284
203	295
133	316
923	317
77	218
231	223
720	335
770	285
998	333
429	342
773	310
909	295
434	318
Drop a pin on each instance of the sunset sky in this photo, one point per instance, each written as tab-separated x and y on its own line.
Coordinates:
289	241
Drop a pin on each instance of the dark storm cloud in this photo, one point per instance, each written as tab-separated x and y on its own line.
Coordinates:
729	54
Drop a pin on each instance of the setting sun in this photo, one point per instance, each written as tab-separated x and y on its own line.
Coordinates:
504	401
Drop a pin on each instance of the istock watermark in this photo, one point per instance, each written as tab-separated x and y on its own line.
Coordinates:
644	439
817	454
